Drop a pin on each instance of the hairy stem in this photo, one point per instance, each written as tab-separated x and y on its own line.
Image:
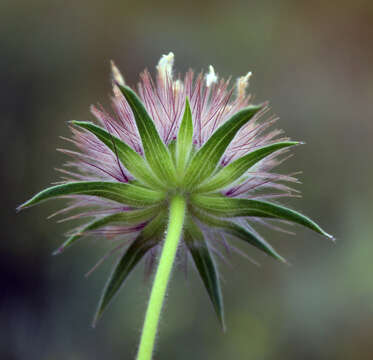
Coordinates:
162	276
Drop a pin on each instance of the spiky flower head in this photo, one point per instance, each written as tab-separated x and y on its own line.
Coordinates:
194	136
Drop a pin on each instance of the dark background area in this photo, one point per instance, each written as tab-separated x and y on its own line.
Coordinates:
311	60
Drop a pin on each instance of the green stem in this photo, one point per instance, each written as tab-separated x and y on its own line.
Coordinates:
162	276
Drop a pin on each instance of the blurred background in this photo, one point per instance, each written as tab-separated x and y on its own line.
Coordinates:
311	60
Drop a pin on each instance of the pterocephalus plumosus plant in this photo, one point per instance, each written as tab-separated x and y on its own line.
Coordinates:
179	168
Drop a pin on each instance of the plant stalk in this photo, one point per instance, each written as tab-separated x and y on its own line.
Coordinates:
162	276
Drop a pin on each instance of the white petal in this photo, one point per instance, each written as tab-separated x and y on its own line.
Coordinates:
242	84
165	66
211	77
117	76
178	86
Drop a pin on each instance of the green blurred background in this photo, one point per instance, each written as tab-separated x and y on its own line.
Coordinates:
311	60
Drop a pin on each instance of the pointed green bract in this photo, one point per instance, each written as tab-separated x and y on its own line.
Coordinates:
235	207
120	192
172	150
133	217
184	140
133	161
206	267
232	172
156	152
239	232
147	239
206	159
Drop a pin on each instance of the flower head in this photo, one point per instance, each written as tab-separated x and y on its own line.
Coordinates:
195	137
